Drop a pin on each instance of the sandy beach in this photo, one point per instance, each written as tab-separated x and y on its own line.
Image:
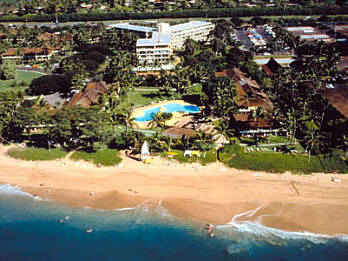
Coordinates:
207	194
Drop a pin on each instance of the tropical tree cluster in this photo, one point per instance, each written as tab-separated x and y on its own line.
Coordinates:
299	96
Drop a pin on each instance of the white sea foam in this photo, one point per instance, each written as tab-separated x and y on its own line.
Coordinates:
15	190
124	209
259	229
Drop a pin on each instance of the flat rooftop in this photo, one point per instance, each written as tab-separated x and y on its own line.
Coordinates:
187	26
309	33
157	39
132	27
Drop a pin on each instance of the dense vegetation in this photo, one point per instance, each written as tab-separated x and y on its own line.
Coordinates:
235	157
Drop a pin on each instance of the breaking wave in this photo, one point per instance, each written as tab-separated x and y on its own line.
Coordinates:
257	229
15	190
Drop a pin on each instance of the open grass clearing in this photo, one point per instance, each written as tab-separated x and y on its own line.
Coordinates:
104	157
140	98
21	77
35	154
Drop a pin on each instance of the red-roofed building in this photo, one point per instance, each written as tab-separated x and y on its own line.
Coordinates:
90	95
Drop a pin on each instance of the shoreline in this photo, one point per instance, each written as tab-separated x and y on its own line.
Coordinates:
204	194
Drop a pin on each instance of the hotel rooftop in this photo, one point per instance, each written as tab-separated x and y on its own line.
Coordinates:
157	39
309	33
131	27
187	26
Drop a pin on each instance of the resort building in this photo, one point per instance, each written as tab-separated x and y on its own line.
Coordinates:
28	54
195	30
156	45
156	50
141	31
309	33
271	68
250	98
90	95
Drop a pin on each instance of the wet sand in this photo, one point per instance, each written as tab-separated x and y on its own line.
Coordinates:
209	194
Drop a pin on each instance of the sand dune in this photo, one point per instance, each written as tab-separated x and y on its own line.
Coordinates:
210	194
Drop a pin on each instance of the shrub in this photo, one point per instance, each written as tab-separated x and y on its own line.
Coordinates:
13	84
22	83
36	154
106	157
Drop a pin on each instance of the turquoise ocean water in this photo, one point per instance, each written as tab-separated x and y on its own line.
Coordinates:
30	230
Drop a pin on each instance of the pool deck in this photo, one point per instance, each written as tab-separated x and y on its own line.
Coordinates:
138	112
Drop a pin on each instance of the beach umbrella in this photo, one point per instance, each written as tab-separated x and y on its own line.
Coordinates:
145	151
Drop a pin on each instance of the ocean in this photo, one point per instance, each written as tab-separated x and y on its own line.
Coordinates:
36	229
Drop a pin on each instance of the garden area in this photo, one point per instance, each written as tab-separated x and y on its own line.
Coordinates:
141	97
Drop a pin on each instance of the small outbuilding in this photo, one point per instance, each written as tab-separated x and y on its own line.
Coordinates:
178	133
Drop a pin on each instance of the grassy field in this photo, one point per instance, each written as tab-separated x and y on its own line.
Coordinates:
235	157
21	76
36	154
106	157
140	97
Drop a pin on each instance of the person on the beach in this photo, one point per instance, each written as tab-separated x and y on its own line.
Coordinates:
210	228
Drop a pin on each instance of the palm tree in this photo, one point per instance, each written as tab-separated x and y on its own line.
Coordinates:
159	119
223	128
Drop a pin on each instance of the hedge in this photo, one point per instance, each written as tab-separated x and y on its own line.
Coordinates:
106	157
235	157
36	154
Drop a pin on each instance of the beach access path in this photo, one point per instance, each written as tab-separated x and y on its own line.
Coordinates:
207	194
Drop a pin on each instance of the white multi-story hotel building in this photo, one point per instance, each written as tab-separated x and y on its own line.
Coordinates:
165	38
156	50
195	30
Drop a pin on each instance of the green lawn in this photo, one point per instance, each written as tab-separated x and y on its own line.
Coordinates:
36	154
235	157
105	157
26	77
141	97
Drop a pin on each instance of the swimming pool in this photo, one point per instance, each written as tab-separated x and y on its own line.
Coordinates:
169	107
